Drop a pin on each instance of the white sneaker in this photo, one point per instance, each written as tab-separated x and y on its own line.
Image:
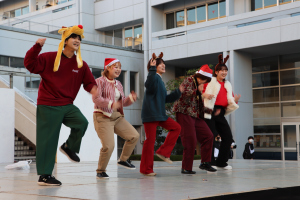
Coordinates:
228	167
165	158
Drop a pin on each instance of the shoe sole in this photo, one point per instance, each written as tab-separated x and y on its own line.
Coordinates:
102	177
223	168
164	159
126	167
61	150
47	184
151	174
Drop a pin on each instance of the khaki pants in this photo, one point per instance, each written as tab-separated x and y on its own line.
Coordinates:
105	128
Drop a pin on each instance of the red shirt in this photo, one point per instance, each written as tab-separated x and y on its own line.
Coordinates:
222	96
58	88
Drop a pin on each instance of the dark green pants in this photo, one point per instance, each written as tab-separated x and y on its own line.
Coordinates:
48	123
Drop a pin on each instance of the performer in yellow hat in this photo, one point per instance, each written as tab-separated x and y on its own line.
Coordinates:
62	74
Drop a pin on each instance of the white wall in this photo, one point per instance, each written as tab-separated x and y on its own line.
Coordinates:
7	124
113	12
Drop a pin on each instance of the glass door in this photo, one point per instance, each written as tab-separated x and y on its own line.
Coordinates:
290	141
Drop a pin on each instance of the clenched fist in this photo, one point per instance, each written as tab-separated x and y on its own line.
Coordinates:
41	41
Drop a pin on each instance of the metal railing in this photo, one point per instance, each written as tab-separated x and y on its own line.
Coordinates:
50	29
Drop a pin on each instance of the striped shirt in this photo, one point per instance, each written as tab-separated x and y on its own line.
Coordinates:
105	97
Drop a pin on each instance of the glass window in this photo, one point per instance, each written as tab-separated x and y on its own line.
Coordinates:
27	80
118	37
25	10
61	1
121	78
18	12
270	3
201	14
290	61
12	13
266	121
290	93
138	35
128	37
290	109
295	14
17	62
273	141
96	72
267	129
256	5
266	95
265	79
289	132
133	80
179	18
266	110
191	16
265	64
170	20
284	1
213	11
109	37
4	61
222	7
290	77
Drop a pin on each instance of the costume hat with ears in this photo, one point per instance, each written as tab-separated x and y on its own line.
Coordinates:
221	62
154	57
65	33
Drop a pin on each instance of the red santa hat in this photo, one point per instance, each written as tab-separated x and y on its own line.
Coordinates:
110	61
205	71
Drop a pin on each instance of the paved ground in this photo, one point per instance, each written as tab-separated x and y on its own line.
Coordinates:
79	181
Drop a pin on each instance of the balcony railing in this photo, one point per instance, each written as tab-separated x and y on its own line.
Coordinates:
50	29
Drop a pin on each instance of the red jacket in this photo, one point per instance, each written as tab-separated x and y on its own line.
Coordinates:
58	88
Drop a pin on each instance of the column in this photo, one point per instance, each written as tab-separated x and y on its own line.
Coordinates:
240	76
32	5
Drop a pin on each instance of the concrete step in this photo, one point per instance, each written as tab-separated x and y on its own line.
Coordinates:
25	153
18	148
20	158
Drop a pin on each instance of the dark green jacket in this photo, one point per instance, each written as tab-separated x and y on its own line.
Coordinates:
155	97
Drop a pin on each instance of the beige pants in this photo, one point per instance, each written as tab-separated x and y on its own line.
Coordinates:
105	128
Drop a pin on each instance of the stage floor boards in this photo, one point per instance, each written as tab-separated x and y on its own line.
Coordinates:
79	181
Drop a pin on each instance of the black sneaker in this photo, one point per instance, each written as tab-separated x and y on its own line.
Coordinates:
69	153
206	166
183	171
127	164
48	180
102	175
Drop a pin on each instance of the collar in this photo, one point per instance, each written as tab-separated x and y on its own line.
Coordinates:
159	75
66	56
110	81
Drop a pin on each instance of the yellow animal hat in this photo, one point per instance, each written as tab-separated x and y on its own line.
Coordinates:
65	33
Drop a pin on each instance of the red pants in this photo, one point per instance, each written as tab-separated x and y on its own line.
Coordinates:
193	130
174	128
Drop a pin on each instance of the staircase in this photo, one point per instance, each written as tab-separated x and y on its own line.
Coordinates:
25	125
24	149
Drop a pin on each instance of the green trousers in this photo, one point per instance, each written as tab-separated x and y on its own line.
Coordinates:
48	124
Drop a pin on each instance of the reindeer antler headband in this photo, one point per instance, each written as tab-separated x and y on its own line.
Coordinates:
154	57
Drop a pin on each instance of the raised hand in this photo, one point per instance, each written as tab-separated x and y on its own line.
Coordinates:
237	97
152	62
41	41
134	96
